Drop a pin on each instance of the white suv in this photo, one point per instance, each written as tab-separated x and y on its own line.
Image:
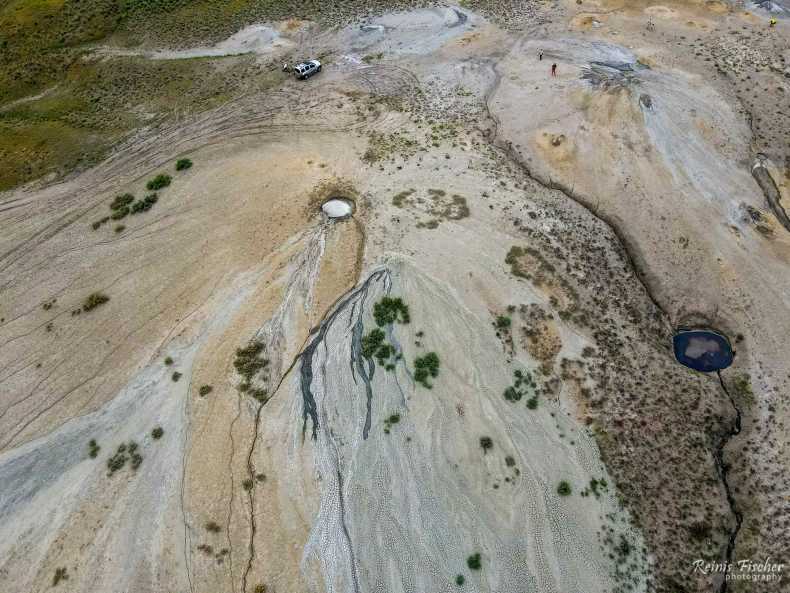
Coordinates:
307	69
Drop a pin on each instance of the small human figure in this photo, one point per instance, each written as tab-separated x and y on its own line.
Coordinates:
540	55
285	66
554	69
773	22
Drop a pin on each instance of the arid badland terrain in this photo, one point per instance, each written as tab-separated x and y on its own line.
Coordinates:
209	385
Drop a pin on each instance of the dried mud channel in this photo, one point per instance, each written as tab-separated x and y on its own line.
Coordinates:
722	467
766	182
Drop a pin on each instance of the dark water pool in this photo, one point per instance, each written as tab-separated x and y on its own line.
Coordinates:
702	350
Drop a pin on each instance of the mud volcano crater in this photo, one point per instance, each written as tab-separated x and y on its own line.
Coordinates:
338	208
702	349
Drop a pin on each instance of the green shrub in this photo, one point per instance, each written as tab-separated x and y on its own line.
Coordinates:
93	300
260	394
157	432
205	390
176	376
120	228
393	419
532	403
563	488
389	310
122	455
158	182
425	367
168	360
460	580
700	531
503	322
119	214
93	448
100	222
213	527
474	562
247	484
183	164
121	202
486	443
372	342
512	394
249	360
61	574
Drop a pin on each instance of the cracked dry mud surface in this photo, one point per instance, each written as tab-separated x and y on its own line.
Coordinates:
222	423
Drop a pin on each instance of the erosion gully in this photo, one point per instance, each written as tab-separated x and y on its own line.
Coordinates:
722	468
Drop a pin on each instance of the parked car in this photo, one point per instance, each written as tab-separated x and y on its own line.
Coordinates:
307	69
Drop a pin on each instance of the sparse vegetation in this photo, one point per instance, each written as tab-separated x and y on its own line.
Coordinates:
249	360
176	376
213	527
595	488
460	580
563	488
386	146
168	360
160	181
474	561
486	443
157	432
426	367
522	381
183	164
94	300
742	387
247	484
369	58
61	574
372	342
122	455
390	310
93	448
250	363
390	421
205	390
399	199
120	202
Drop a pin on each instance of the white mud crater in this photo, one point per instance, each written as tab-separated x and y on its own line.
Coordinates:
337	208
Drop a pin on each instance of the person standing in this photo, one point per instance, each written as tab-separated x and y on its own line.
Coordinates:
554	69
540	55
